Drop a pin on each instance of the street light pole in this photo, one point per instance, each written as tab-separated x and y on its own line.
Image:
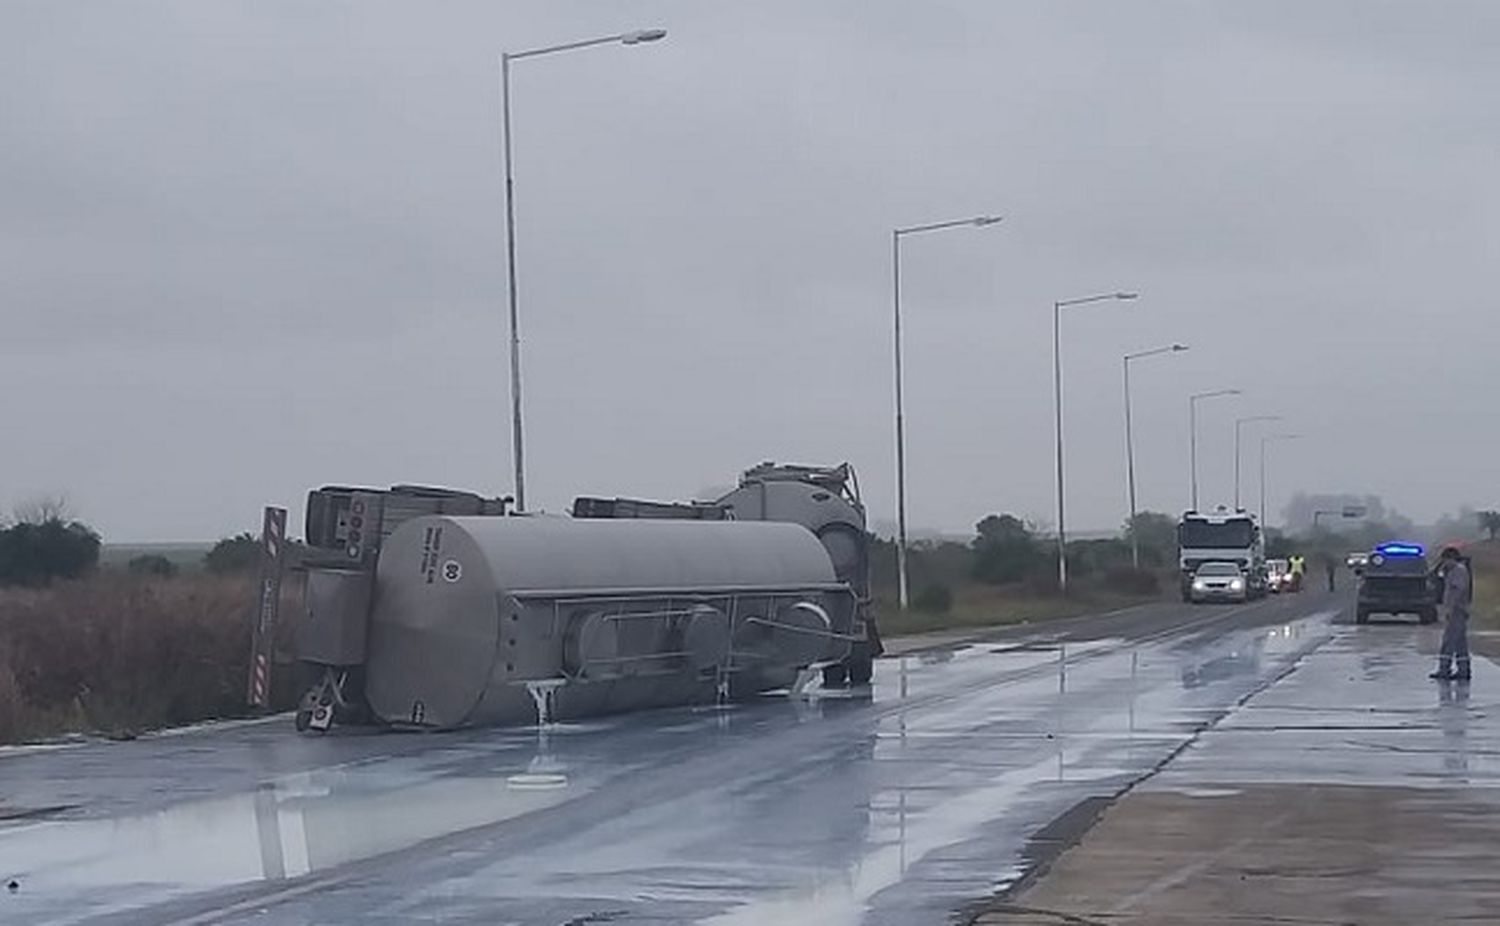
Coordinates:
1238	424
1135	546
1057	307
1193	401
902	586
637	37
1263	442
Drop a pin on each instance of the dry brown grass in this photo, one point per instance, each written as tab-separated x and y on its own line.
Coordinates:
118	654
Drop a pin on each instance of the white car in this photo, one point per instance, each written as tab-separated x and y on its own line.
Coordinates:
1278	574
1219	582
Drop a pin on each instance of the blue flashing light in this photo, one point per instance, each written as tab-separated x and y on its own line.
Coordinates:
1396	548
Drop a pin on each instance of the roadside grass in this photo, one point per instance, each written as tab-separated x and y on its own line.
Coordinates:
978	606
118	654
1486	559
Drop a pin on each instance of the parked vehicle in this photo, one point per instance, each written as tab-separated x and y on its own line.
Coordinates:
1278	575
1396	580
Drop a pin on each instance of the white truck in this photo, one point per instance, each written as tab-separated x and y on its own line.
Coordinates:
1222	536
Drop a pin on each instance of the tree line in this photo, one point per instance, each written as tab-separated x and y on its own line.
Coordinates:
42	544
1008	551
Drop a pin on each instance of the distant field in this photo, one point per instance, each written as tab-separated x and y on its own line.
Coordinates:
183	555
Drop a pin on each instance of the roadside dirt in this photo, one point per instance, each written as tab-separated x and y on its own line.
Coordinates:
1306	854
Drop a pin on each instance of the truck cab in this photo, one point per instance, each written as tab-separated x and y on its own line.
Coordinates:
1222	536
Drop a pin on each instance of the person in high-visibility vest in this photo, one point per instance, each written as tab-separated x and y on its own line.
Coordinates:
1298	566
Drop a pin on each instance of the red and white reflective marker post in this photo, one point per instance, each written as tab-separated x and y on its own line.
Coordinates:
268	604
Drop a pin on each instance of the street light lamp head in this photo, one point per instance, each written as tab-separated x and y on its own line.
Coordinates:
1127	295
643	35
1178	348
983	220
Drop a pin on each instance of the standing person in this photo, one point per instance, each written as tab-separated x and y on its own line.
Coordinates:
1331	570
1458	594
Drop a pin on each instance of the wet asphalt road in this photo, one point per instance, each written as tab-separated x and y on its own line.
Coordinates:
896	806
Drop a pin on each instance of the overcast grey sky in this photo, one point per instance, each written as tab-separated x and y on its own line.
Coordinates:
248	248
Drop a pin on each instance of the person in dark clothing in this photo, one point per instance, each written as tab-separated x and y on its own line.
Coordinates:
1332	571
1457	596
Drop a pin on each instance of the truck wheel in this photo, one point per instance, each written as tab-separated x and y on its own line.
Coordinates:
1361	616
302	720
861	670
836	675
1427	616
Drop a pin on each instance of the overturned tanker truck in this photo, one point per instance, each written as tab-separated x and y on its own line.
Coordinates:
432	608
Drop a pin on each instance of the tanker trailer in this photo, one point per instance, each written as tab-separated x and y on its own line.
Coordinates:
823	499
503	620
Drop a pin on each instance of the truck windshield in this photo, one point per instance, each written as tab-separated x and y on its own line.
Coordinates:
1236	534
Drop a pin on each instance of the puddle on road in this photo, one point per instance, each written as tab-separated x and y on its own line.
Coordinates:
1093	741
298	825
1208	792
843	901
1358	711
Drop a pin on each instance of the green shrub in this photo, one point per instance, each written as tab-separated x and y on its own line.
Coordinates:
33	553
233	555
1005	550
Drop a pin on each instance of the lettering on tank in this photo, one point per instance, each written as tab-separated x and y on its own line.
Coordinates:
432	548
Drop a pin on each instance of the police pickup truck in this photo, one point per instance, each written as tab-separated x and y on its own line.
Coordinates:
1396	580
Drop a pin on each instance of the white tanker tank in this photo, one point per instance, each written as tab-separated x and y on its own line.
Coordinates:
461	620
823	499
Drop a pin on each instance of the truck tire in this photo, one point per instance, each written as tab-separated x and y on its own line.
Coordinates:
1427	616
836	675
1361	615
861	670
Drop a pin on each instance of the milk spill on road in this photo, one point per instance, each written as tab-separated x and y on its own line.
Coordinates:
1086	748
889	808
1358	711
294	826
